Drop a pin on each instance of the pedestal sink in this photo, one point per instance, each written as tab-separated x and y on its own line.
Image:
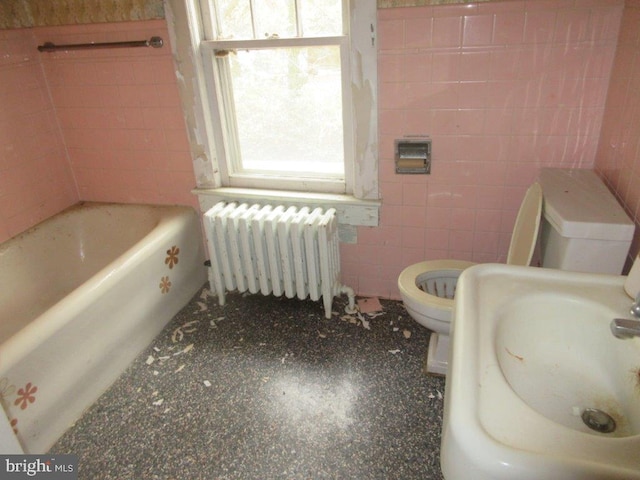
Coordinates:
538	386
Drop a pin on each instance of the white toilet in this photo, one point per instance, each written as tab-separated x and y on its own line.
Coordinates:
584	229
427	288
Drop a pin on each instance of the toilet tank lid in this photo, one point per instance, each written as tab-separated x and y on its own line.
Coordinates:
579	205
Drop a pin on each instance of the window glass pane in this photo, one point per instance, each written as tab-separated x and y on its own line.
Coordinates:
321	17
288	109
275	17
278	17
234	19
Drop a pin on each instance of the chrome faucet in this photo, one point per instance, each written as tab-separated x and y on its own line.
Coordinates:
635	308
625	327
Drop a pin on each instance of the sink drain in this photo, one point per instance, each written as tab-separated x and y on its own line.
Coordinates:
598	420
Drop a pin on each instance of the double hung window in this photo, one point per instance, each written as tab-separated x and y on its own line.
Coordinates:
278	75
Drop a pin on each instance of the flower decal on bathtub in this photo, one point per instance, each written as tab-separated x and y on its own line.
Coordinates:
172	256
14	425
170	261
165	285
26	395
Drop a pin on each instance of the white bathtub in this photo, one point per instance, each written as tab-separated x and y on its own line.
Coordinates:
83	293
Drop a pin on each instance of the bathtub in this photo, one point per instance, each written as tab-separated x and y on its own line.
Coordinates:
83	293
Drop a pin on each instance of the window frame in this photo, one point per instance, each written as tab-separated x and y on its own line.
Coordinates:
220	103
359	208
218	82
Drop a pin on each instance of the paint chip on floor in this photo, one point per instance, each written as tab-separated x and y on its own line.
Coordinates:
203	306
357	320
369	305
150	360
178	333
206	293
207	383
394	351
186	349
439	394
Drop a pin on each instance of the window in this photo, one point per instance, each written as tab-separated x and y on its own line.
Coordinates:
279	92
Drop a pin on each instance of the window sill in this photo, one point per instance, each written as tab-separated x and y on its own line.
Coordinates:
350	210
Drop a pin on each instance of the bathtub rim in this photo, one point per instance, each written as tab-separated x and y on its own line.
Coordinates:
42	327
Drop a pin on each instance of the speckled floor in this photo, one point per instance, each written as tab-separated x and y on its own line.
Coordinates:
267	388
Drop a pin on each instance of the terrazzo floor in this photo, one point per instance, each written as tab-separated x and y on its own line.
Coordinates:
267	388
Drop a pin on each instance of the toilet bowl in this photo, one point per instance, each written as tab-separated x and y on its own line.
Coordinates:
427	288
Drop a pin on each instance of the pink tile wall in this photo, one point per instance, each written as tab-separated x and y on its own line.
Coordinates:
502	88
35	178
120	114
618	157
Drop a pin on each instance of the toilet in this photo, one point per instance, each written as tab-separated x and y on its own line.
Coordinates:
583	229
427	288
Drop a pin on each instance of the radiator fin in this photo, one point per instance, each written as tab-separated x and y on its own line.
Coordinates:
277	250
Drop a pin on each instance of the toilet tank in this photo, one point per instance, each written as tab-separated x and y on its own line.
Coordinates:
584	228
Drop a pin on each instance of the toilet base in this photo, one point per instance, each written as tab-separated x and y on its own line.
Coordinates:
438	354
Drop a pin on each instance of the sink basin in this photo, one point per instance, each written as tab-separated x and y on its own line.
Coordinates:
536	377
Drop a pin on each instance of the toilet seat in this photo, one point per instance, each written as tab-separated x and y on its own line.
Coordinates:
525	231
427	288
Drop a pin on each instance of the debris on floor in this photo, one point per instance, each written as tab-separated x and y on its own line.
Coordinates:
206	293
178	333
405	332
186	349
365	323
369	305
439	394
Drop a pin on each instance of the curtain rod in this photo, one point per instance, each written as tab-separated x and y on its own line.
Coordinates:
155	42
